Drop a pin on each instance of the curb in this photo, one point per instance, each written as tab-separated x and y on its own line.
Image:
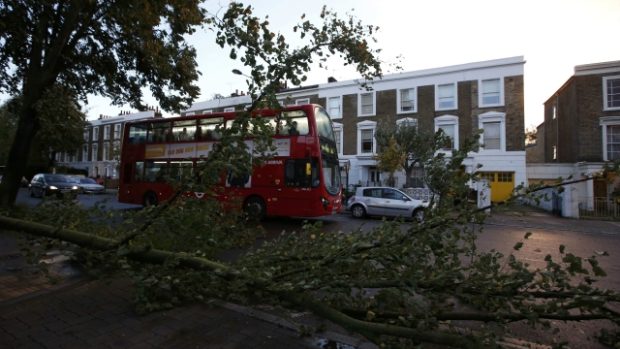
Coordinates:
316	339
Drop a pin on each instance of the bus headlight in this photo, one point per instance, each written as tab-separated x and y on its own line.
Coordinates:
325	202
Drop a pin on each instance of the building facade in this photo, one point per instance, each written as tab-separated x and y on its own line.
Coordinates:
100	153
460	99
580	133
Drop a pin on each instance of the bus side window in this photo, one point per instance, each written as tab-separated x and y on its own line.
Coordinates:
139	174
153	171
296	173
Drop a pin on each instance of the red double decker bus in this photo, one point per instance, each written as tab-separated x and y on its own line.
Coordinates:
300	179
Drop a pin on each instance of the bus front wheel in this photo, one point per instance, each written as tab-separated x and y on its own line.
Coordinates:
150	199
255	208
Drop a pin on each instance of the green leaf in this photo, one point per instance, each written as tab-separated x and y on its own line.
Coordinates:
518	245
562	248
527	235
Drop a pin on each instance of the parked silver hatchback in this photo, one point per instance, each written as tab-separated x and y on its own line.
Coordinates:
385	201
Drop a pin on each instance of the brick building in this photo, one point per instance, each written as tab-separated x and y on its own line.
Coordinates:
99	154
459	99
580	133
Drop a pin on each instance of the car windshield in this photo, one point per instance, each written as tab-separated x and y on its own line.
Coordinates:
56	178
87	181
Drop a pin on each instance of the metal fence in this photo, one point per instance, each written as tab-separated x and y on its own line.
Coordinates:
599	208
423	194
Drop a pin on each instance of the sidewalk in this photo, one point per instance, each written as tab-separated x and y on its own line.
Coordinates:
532	218
83	313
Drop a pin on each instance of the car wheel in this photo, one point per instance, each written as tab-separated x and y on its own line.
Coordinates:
358	211
418	215
150	199
255	208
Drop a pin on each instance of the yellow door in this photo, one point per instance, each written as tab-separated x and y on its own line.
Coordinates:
501	183
502	186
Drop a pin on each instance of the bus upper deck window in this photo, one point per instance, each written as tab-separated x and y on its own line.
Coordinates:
137	134
293	126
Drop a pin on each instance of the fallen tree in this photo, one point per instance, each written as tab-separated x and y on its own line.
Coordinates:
398	285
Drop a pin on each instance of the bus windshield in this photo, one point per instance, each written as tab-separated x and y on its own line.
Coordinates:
324	124
331	175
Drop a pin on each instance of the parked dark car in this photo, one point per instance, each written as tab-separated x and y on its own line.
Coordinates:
45	184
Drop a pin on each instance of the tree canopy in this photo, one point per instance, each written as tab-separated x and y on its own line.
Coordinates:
118	48
62	126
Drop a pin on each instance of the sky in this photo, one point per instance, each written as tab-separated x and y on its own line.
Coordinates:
552	35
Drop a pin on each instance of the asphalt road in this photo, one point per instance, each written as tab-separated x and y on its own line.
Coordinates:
86	200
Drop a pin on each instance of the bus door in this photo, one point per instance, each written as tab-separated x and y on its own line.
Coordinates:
299	195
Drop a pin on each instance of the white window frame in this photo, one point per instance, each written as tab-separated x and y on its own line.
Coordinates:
408	121
106	151
229	109
374	103
446	120
454	96
118	131
94	151
86	134
366	125
329	107
106	132
338	128
501	93
399	101
116	150
604	122
302	101
493	116
95	133
605	100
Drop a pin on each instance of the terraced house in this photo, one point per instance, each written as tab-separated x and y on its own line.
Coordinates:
581	133
459	99
99	155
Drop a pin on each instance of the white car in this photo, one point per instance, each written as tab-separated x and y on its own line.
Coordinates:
385	201
89	185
